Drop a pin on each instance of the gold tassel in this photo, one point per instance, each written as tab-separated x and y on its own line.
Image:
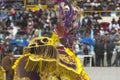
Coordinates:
45	51
84	75
49	65
78	62
65	73
38	64
33	63
79	70
17	62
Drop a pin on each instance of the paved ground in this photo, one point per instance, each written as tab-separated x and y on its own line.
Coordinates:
103	73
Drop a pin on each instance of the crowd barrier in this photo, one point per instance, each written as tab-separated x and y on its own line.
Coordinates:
82	57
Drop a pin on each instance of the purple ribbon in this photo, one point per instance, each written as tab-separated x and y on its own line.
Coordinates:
68	19
67	14
2	3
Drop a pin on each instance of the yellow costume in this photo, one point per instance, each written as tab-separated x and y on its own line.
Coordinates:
43	58
2	73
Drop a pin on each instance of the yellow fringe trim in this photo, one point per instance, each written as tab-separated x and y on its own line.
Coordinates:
51	67
33	41
18	60
55	40
79	70
38	64
70	74
66	72
45	51
79	64
2	72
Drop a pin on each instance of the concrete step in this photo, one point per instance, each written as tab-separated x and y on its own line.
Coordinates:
103	73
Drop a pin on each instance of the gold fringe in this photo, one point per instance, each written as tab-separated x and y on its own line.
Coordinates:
18	60
2	72
33	41
68	74
46	51
79	70
38	64
33	64
84	75
49	66
45	59
79	64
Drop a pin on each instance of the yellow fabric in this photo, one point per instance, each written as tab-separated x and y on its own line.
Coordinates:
78	63
33	41
2	72
17	78
17	62
46	51
51	63
54	40
69	73
38	64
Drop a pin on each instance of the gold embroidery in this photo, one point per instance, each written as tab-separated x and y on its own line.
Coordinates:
67	59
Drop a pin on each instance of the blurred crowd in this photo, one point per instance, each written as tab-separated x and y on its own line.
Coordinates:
28	24
100	5
25	25
107	41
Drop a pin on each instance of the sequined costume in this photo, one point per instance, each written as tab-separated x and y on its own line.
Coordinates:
44	59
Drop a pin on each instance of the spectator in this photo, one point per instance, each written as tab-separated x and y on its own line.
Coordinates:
113	21
109	49
117	59
7	63
118	21
47	26
99	49
83	23
76	47
102	32
86	52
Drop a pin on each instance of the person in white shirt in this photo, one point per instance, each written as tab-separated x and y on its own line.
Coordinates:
102	32
76	47
117	59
